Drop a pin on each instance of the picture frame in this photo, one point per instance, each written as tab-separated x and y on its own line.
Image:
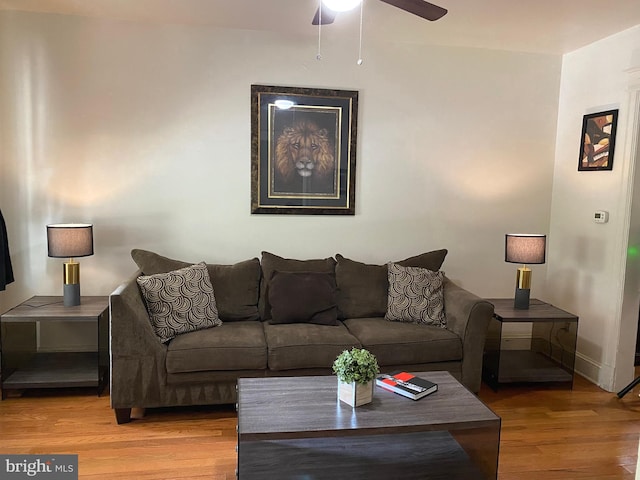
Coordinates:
303	150
597	142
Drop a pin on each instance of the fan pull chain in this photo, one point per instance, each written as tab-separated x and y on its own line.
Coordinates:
360	47
319	55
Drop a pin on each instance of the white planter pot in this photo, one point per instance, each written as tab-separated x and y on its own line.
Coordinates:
355	394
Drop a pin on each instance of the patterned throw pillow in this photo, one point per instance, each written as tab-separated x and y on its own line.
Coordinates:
180	301
416	295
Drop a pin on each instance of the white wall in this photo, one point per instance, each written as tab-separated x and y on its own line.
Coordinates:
144	131
587	261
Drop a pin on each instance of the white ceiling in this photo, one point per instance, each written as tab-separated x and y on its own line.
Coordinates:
547	26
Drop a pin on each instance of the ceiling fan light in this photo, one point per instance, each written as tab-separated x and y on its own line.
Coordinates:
341	5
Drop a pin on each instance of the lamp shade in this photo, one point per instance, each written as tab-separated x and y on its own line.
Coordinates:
525	248
69	240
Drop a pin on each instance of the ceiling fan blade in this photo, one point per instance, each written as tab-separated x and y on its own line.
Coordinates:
418	7
328	16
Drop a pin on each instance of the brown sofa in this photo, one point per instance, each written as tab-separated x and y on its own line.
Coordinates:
202	367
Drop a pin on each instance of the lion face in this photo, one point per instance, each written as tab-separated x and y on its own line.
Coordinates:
304	150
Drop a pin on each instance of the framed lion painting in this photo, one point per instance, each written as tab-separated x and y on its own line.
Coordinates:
303	150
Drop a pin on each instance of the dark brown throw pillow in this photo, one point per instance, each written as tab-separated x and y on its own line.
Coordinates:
236	286
363	288
303	297
271	263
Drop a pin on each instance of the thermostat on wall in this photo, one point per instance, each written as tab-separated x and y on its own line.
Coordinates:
601	216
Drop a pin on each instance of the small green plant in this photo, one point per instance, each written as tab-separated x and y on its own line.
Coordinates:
356	365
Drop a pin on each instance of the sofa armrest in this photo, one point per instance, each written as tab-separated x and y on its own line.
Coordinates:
468	316
137	357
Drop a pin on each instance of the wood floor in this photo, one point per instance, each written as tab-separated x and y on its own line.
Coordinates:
546	434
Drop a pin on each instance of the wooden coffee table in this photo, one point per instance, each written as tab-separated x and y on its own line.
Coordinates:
294	427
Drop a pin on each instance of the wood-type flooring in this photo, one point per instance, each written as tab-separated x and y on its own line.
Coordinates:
547	433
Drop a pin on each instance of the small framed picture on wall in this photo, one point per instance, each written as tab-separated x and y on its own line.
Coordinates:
598	141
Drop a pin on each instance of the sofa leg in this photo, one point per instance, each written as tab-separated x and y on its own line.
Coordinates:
137	413
123	415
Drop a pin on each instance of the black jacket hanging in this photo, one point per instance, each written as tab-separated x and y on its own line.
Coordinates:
6	272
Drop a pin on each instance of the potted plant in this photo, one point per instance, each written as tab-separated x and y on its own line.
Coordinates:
356	370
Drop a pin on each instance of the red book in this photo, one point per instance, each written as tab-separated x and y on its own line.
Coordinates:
407	385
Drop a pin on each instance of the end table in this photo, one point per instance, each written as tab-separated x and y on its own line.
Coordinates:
25	366
547	355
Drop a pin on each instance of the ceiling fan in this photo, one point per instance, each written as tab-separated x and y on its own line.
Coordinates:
423	9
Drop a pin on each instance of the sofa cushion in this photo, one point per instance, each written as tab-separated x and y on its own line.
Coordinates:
180	301
303	297
395	343
363	288
271	263
236	286
416	295
231	346
151	263
305	345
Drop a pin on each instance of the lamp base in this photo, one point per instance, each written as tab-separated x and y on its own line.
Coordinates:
522	299
71	293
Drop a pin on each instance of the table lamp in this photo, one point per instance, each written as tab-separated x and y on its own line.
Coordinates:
524	248
70	240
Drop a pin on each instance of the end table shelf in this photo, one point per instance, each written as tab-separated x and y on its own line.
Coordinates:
26	366
550	350
51	370
528	366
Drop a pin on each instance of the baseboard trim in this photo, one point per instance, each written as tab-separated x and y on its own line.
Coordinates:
595	372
